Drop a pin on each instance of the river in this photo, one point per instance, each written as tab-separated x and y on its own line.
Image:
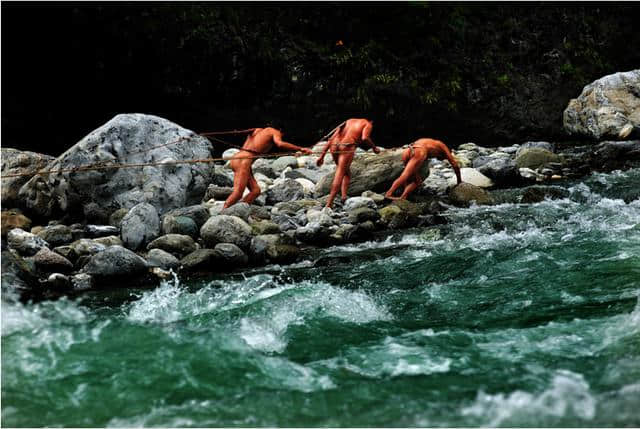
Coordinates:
508	315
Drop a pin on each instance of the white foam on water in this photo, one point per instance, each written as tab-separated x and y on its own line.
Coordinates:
283	373
162	304
568	395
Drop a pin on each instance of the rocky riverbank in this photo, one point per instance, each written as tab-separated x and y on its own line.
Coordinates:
72	231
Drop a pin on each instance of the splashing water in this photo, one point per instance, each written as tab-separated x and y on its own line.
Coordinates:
509	315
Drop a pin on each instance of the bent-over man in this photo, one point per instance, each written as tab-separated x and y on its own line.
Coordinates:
259	142
343	144
416	169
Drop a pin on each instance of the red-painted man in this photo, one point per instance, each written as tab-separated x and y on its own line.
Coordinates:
259	142
343	144
416	169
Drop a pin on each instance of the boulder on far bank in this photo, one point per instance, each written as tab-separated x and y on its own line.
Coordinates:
15	161
115	262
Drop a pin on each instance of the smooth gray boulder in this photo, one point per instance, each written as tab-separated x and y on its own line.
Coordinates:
226	229
24	242
201	260
50	261
358	202
502	170
283	162
176	244
285	190
19	279
15	161
56	235
465	193
95	231
86	247
239	209
606	108
115	261
162	259
179	225
535	157
230	255
140	226
109	240
126	139
369	172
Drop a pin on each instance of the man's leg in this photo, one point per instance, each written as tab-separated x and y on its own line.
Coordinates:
254	190
409	170
345	183
417	181
240	179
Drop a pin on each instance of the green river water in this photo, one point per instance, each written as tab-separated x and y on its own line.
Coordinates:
510	315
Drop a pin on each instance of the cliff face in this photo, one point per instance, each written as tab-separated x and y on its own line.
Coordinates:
494	73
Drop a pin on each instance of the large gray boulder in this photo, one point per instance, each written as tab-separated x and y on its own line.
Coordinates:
15	161
176	244
286	190
140	226
369	172
608	107
19	278
465	193
126	139
115	261
226	229
24	242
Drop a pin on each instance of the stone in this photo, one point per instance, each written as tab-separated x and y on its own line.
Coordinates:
179	225
59	282
363	214
230	255
25	243
607	108
115	262
264	227
535	158
14	219
323	217
201	260
535	145
273	248
56	235
95	231
293	207
239	209
26	164
286	222
160	258
110	240
140	226
285	190
536	194
219	193
221	178
264	166
19	279
87	247
307	185
312	233
463	194
199	213
359	202
66	251
82	282
95	213
127	138
305	173
116	217
502	171
377	198
283	162
49	261
176	244
226	229
530	174
473	177
401	214
369	172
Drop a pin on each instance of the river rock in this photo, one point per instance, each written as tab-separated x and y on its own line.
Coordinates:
67	252
264	227
274	248
377	198
19	279
127	138
56	235
473	177
502	170
162	259
285	190
536	194
14	219
222	178
201	260
359	202
307	185
49	261
464	193
314	175
24	242
293	207
362	214
116	217
230	255
176	244
179	225
82	282
226	229
58	282
283	162
608	107
87	247
536	145
140	226
95	213
19	162
95	231
110	240
239	209
114	262
611	155
312	233
369	172
535	158
219	193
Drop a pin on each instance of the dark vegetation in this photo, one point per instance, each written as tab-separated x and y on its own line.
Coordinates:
491	73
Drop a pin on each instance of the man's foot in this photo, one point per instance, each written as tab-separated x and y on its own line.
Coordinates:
391	197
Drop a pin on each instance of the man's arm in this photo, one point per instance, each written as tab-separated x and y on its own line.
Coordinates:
277	140
320	160
454	163
366	137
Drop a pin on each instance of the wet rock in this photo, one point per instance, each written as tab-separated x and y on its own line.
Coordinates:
283	162
264	166
56	235
81	282
198	213
58	282
273	248
19	162
140	226
463	194
87	247
536	194
239	209
473	177
535	157
230	255
49	261
502	170
375	172
179	225
95	213
25	243
14	219
226	229
610	155
535	145
110	240
401	214
160	258
285	190
116	217
359	202
219	193
19	279
115	262
260	212
312	233
176	244
529	174
608	107
265	227
201	260
127	138
67	252
363	214
95	231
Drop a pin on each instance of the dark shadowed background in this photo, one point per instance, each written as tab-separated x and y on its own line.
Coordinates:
491	73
